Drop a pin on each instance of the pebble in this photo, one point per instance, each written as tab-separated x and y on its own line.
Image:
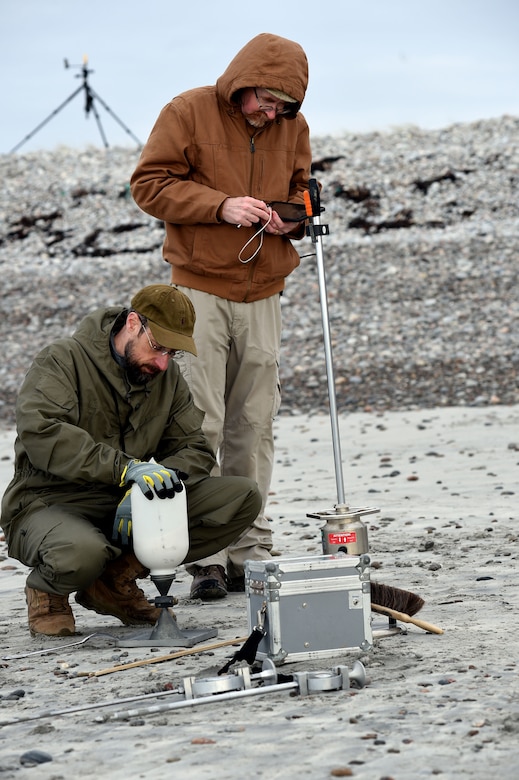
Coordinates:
420	265
34	757
19	693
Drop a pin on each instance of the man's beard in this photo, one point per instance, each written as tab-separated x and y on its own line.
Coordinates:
134	371
259	119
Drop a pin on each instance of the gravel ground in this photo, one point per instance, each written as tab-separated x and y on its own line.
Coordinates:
435	707
420	265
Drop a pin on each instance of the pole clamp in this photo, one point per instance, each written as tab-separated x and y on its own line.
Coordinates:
313	230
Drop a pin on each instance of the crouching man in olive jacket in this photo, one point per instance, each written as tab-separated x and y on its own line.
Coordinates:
93	411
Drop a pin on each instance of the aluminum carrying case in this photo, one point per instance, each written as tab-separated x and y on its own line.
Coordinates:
311	607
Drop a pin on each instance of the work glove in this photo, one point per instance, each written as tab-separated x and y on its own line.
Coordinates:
123	520
153	477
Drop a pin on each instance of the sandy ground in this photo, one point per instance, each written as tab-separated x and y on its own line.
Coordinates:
445	482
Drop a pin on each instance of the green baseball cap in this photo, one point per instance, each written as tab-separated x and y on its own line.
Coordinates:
170	314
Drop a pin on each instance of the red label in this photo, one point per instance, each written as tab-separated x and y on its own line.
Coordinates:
349	538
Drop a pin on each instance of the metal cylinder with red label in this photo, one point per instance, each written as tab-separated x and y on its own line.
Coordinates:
344	531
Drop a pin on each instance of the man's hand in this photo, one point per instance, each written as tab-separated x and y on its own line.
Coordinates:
277	227
152	477
245	211
123	520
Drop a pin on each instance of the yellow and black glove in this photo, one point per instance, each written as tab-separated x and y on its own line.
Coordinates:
123	520
152	477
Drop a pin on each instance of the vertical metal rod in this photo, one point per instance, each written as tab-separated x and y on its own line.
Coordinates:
339	478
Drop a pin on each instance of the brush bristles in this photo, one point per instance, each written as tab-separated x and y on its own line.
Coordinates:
396	598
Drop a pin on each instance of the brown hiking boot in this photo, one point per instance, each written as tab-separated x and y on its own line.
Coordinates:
116	593
210	582
49	613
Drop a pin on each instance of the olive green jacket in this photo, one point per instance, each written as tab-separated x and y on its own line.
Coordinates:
79	422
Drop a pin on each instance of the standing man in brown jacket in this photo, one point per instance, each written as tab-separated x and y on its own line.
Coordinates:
216	159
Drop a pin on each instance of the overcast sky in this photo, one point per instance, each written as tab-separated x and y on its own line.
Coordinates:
374	64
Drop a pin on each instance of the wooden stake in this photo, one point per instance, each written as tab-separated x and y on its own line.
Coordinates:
159	659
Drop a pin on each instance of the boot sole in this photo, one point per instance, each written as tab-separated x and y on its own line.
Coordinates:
61	632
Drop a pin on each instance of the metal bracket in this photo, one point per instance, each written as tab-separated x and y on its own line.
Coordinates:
273	582
313	231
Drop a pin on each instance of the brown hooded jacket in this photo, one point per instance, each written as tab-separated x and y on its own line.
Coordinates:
202	151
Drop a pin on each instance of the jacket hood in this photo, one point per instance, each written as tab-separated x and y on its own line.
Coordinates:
94	330
93	333
267	61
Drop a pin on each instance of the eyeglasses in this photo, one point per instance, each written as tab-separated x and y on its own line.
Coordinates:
265	107
157	347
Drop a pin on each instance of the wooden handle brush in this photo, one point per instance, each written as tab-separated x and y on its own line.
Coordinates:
404	618
399	604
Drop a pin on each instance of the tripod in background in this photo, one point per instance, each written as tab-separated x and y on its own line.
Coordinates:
90	97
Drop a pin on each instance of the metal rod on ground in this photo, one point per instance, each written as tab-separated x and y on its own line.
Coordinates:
58	648
269	675
194	702
85	707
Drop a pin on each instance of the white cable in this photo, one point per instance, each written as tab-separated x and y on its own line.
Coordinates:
257	233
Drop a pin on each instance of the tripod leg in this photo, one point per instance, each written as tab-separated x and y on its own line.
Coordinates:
119	122
91	107
56	111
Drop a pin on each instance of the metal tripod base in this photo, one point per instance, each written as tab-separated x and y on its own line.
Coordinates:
166	633
381	630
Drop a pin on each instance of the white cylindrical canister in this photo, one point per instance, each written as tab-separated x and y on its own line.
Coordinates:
160	531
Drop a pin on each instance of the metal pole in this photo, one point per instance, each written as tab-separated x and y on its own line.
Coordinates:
85	707
316	236
193	702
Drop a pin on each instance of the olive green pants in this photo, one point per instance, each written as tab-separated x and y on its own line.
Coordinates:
68	544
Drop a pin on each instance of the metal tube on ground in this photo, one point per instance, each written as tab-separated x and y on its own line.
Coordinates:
84	707
125	715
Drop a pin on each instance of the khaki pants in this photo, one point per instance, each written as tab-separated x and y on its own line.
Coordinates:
235	381
67	544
